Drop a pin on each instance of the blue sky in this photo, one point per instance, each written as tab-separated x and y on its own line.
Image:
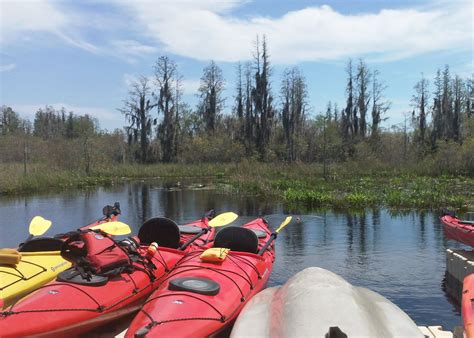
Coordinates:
83	54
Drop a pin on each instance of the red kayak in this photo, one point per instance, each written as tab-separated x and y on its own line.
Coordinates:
40	260
78	302
468	305
202	295
459	230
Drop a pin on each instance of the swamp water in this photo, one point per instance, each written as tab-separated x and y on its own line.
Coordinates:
400	254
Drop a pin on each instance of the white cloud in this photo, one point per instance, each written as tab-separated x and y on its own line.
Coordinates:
131	49
210	29
20	20
21	16
79	43
207	30
108	119
7	67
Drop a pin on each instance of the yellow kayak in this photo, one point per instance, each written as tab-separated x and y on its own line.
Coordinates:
34	270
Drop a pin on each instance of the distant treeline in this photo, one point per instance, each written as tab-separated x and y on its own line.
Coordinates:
266	124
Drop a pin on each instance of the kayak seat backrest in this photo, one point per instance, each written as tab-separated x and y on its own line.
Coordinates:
237	239
41	244
260	233
163	231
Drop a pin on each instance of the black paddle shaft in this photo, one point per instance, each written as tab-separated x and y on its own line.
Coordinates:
273	236
30	237
192	239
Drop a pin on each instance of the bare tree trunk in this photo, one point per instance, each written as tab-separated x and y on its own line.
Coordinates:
457	115
363	97
165	76
379	106
294	101
239	105
262	99
250	122
211	88
137	111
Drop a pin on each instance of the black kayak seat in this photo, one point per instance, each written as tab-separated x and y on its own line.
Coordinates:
162	230
237	239
41	244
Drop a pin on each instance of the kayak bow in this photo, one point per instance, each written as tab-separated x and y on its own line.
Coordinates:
459	230
199	297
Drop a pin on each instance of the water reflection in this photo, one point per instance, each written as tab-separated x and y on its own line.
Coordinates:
400	254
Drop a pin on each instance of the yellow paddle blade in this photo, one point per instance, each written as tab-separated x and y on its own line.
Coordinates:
223	219
284	224
39	226
113	228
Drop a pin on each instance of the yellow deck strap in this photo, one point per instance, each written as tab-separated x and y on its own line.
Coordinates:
9	256
214	255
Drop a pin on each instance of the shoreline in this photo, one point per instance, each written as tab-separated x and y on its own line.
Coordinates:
296	184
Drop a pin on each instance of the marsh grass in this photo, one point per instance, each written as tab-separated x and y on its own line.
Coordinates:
302	184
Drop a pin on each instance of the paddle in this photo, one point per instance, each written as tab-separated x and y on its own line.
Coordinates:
113	228
222	219
218	221
38	226
274	235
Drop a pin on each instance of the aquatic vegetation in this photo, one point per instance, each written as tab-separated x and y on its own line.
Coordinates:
361	199
316	198
295	184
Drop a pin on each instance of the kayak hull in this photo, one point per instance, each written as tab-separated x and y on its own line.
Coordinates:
313	301
181	313
454	229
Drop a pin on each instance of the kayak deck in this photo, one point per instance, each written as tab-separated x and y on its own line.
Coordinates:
314	303
216	294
